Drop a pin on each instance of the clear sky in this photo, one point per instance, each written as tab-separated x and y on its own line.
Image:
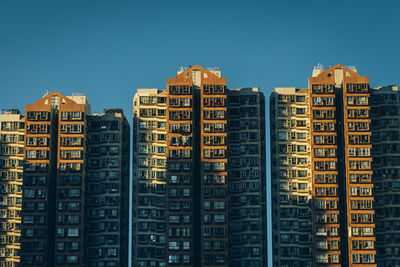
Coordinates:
109	48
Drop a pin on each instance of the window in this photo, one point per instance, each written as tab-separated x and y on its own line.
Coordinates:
322	258
72	259
186	245
112	252
73	232
322	245
219	218
301	148
74	246
368	258
75	154
76	128
282	136
353	191
31	154
300	98
173	219
143	125
356	258
219	205
173	245
174	259
76	115
300	111
301	136
29	193
28	219
73	193
60	232
186	192
60	246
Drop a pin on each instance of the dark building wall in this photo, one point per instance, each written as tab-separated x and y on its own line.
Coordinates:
180	172
39	190
247	179
107	190
385	127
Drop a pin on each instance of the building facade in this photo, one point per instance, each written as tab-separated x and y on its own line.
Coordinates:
385	116
340	141
149	178
11	168
107	189
291	172
341	96
57	215
246	178
39	186
183	170
194	175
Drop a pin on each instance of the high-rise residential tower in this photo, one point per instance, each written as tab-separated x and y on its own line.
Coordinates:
38	212
340	141
340	103
149	178
11	168
53	210
107	189
183	170
192	174
291	173
60	200
385	116
246	177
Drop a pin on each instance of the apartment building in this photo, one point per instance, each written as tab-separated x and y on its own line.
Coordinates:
291	177
183	170
181	157
57	214
107	189
348	91
385	127
340	141
11	168
53	199
246	178
149	178
325	168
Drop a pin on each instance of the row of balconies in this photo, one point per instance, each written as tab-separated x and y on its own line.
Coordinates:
38	115
37	128
323	101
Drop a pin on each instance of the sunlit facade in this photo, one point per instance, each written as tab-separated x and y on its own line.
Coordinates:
11	169
385	117
291	177
149	178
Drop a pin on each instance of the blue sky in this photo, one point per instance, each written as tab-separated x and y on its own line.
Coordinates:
109	48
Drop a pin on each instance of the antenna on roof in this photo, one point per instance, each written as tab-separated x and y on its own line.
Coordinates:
319	67
78	94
